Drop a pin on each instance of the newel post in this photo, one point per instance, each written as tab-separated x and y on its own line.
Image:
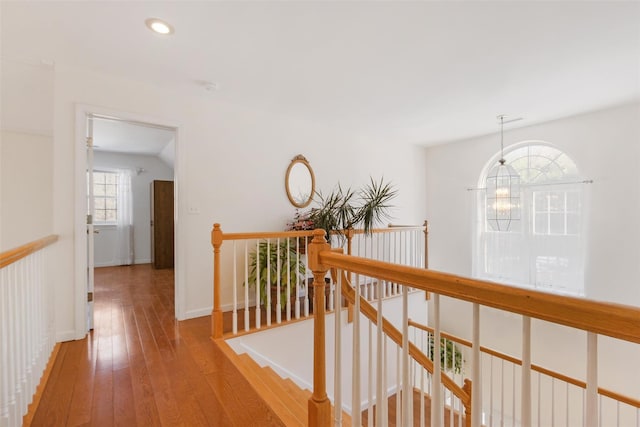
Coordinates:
349	233
216	314
319	404
467	387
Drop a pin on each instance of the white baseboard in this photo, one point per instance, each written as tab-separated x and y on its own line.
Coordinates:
142	261
206	311
192	314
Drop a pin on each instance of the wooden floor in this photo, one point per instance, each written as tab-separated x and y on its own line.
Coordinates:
139	367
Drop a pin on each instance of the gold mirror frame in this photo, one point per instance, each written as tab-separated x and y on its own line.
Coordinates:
291	187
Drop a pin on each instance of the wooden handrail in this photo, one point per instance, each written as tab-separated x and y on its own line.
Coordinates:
309	233
614	320
13	255
611	394
267	235
396	336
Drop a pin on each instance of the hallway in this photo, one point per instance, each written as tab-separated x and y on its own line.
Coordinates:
139	367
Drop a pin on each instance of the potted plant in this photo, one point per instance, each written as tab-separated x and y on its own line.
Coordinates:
342	210
271	259
453	361
300	222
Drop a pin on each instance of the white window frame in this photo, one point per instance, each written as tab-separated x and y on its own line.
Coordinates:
95	220
550	260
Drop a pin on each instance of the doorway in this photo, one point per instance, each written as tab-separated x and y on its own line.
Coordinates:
143	150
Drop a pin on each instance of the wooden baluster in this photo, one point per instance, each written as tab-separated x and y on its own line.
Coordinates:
380	391
246	286
477	389
426	251
436	395
592	380
526	372
234	313
267	289
319	404
257	284
356	414
216	314
288	264
337	370
297	278
407	390
278	284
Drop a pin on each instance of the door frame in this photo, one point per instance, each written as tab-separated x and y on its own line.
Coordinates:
80	294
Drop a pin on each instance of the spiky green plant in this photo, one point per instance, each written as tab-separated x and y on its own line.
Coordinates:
343	209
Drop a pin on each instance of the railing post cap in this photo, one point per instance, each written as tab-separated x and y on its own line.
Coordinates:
319	234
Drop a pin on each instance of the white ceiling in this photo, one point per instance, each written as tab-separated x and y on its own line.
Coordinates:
124	137
417	72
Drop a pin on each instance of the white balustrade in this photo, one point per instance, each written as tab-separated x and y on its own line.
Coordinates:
26	333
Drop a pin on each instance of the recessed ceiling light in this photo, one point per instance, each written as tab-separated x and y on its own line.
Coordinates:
159	26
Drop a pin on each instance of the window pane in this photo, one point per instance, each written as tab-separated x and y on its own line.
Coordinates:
541	223
556	201
557	223
540	198
98	189
111	215
110	178
110	190
573	201
99	203
110	203
98	178
99	215
549	253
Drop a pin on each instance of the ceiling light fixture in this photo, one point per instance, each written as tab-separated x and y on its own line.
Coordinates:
503	191
159	26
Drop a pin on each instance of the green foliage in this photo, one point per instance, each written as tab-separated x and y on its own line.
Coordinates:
453	361
344	209
290	266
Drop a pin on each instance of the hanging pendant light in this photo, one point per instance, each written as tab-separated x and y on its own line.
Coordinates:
503	191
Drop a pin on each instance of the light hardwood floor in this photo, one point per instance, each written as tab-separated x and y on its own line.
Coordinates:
139	367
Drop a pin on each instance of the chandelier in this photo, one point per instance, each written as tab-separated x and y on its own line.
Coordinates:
503	191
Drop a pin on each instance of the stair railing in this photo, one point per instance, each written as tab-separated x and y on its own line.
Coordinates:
596	318
424	364
26	326
291	299
498	369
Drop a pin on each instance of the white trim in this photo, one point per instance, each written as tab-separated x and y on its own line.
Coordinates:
142	261
80	286
192	314
63	336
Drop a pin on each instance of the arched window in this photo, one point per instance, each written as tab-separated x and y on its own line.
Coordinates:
544	249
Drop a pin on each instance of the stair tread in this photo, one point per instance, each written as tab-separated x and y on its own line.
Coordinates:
249	368
273	383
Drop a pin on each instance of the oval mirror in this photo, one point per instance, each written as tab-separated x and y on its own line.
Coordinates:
300	182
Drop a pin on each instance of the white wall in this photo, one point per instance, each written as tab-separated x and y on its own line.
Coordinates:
606	148
26	144
295	361
230	167
155	169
